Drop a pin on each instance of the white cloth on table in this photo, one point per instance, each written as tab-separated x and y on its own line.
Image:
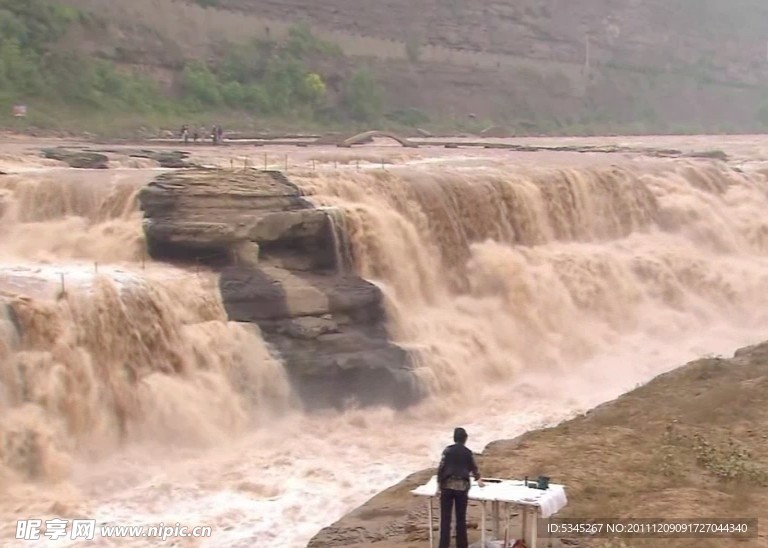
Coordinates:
550	501
554	501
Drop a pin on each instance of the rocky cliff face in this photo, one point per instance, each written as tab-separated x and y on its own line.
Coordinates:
280	262
647	33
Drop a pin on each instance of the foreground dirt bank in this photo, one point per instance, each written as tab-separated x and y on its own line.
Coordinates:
692	443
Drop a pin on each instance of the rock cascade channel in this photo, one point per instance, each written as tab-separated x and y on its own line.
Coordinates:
281	267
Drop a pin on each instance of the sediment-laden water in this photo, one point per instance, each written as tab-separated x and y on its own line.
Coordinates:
526	292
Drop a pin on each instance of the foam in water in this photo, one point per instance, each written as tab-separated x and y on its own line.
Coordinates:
546	268
94	358
147	359
62	214
526	294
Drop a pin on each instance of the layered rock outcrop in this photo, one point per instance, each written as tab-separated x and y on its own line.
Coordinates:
86	158
280	262
78	159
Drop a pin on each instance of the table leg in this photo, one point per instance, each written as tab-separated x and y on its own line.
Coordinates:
524	534
482	525
429	513
506	524
535	532
496	526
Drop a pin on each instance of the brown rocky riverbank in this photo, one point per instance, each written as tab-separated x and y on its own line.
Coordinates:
692	443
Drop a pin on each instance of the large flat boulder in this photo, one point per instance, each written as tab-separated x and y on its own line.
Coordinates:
79	159
88	158
202	213
164	158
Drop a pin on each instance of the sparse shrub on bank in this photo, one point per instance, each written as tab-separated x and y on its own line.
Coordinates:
32	68
262	77
727	460
362	97
412	117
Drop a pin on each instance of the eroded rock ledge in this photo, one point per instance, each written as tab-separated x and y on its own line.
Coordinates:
280	260
89	158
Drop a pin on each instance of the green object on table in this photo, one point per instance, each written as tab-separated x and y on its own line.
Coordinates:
543	483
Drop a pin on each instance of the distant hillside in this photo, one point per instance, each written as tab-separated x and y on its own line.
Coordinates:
79	68
535	66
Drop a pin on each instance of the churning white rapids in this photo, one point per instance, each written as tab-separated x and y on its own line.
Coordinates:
527	287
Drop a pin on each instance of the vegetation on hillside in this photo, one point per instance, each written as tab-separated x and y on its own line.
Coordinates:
266	79
32	68
304	82
275	79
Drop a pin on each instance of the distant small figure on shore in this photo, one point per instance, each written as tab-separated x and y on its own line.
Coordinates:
217	135
185	133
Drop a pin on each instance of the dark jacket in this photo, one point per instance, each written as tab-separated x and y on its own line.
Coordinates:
457	463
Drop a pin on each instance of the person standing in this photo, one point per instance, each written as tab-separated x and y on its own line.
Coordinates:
456	465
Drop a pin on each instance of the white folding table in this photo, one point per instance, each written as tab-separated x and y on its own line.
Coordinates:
541	503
